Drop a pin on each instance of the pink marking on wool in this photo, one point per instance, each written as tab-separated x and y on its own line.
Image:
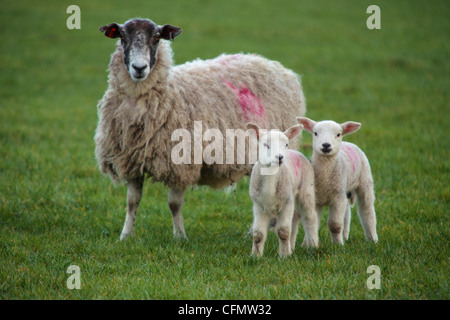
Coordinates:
225	60
352	155
296	161
249	103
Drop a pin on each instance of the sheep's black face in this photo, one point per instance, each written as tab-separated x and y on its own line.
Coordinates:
140	39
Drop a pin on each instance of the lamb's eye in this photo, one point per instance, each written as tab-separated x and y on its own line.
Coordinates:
287	144
315	133
338	135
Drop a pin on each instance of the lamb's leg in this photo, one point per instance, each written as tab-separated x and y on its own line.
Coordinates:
336	219
176	198
294	229
310	217
283	229
259	229
366	212
134	195
347	219
319	215
310	226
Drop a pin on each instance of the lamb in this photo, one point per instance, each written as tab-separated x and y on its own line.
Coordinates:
282	190
341	170
148	98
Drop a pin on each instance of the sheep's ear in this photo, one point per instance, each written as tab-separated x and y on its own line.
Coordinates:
307	123
293	131
253	126
111	30
349	127
169	32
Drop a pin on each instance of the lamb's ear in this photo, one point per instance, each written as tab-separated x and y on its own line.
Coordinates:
349	127
111	30
293	131
307	123
169	32
253	126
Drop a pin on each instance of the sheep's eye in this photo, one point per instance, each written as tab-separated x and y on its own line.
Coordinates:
315	133
156	37
338	135
287	144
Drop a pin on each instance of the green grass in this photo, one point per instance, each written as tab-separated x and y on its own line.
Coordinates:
57	210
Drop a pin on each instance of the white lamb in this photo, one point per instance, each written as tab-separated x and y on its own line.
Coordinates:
282	190
341	170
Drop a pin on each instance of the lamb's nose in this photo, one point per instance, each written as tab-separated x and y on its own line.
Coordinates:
280	158
139	68
326	145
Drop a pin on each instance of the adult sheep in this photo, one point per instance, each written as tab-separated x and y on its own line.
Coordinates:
148	98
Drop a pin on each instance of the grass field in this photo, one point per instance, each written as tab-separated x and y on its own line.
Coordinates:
57	210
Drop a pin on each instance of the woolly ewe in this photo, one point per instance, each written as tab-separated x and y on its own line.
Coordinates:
148	99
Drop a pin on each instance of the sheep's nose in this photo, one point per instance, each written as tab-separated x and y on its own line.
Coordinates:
139	68
326	145
280	158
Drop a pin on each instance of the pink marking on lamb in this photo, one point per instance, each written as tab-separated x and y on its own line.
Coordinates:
352	155
296	161
249	103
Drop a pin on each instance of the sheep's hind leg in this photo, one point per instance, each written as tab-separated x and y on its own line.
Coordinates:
366	212
309	217
311	227
347	219
294	229
176	198
134	195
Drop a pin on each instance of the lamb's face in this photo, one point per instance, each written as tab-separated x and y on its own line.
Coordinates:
273	148
327	137
140	39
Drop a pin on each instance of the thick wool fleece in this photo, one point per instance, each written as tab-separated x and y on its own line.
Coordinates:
136	120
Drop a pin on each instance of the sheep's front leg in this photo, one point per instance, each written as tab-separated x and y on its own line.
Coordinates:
259	229
134	195
336	219
176	199
283	228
